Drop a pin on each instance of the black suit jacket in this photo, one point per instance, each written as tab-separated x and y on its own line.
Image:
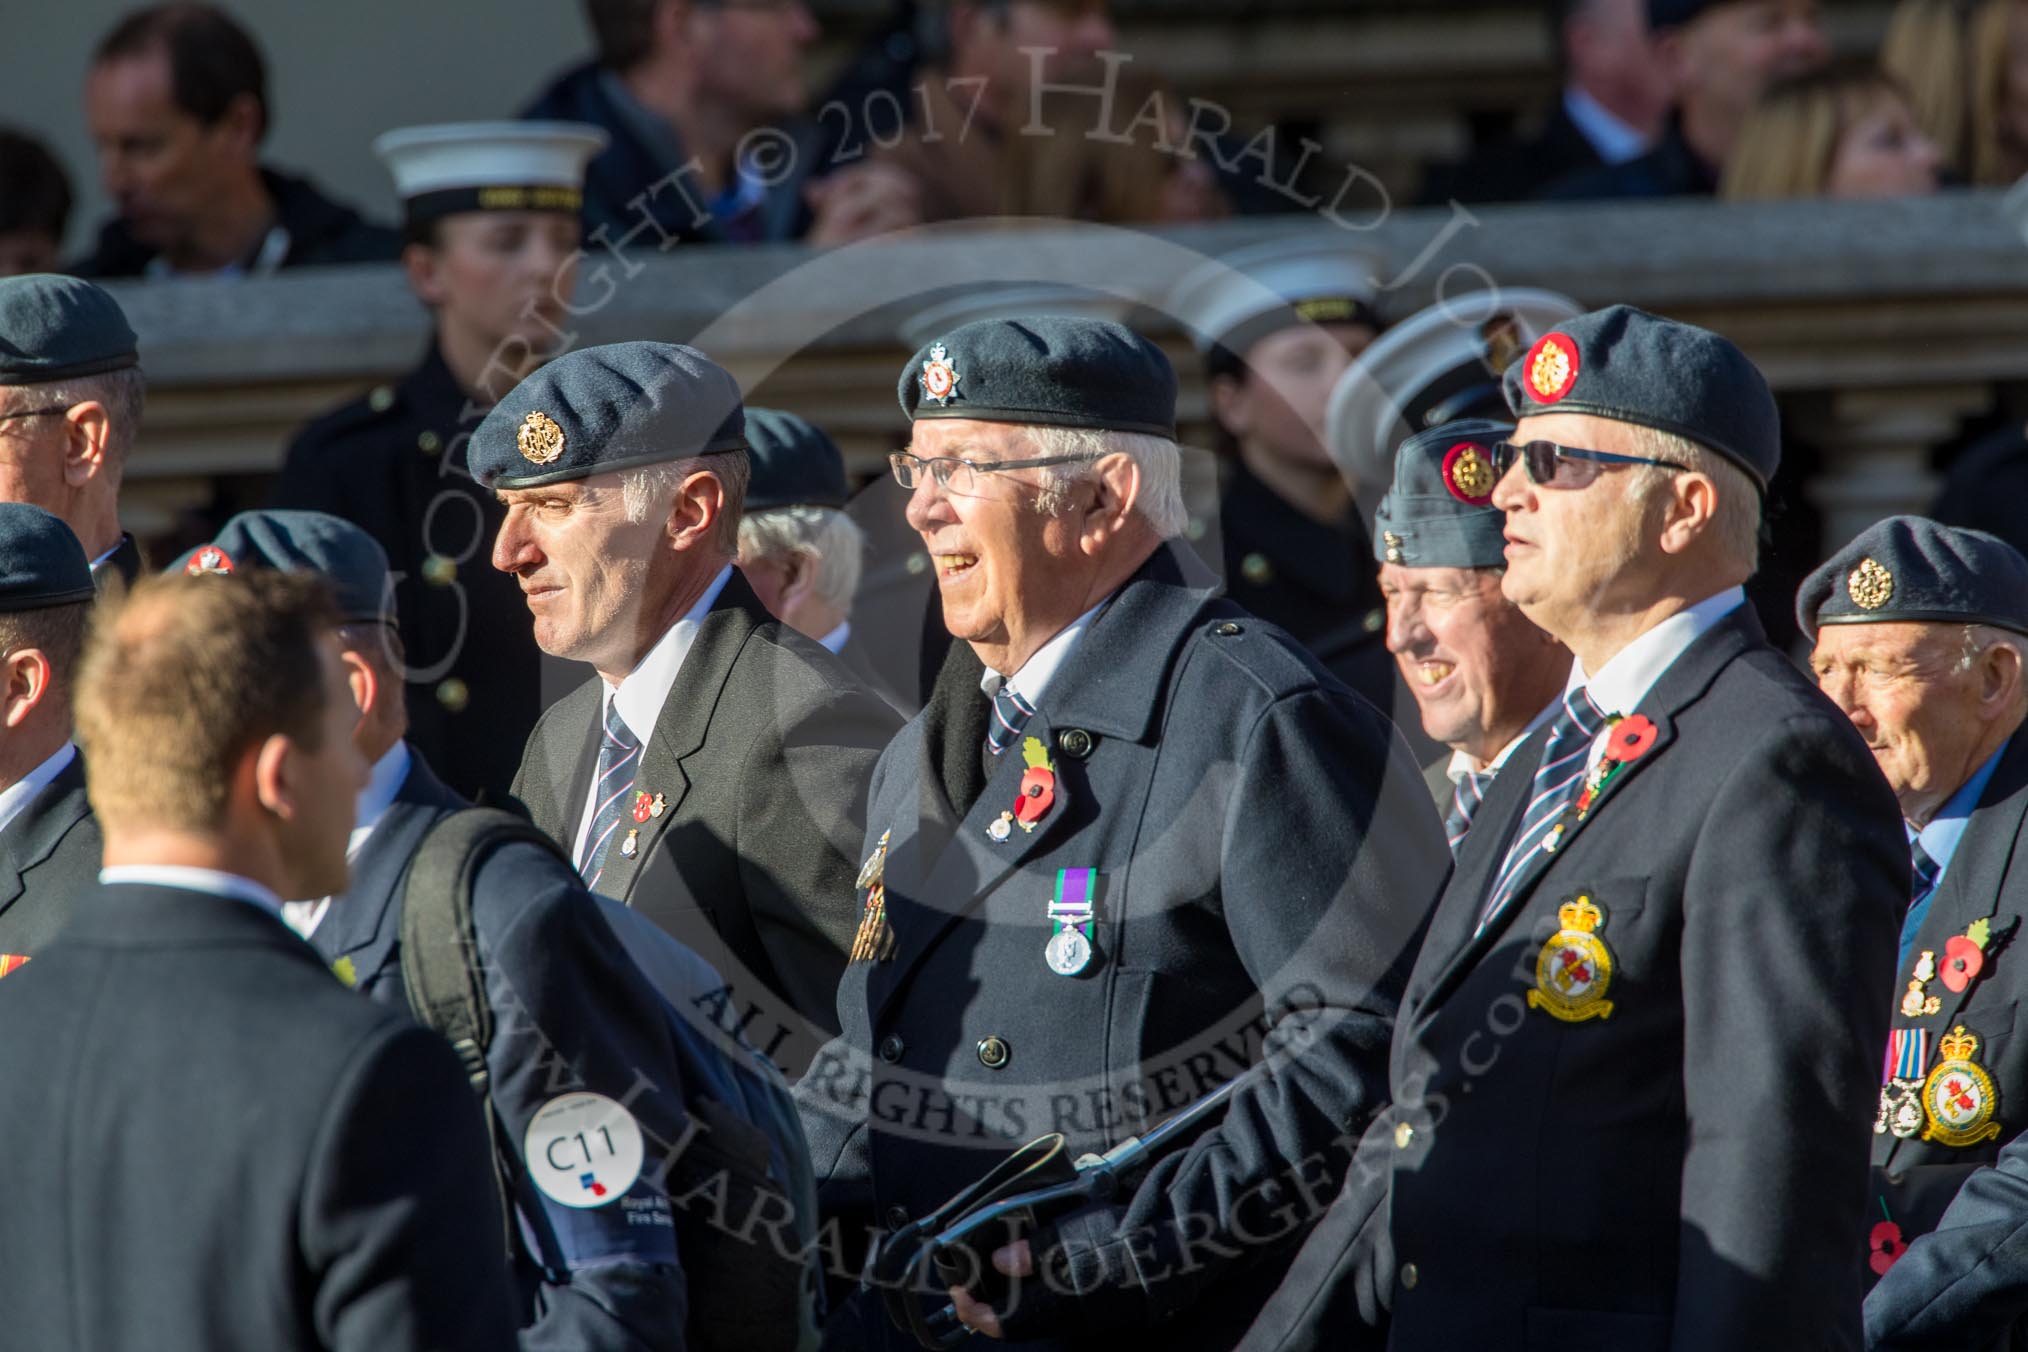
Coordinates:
1690	1170
321	231
762	755
1987	880
49	857
1265	857
213	1144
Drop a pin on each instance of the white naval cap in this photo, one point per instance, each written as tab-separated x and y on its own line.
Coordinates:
1436	366
453	167
1238	298
1011	301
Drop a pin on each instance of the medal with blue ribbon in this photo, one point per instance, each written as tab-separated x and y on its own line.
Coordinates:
1071	912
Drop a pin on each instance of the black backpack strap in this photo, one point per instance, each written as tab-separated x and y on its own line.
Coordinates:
440	954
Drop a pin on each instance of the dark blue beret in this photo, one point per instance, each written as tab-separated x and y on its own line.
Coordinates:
41	562
304	542
1052	370
1633	367
601	409
57	328
1439	513
1912	568
795	464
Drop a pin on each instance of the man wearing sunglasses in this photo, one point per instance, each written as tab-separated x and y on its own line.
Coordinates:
1133	821
70	407
1636	1068
1482	675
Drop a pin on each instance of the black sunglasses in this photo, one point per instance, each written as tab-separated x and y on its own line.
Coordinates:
1550	464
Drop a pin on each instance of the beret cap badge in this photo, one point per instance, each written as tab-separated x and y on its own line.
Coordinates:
1552	368
539	437
1869	585
1468	473
208	559
940	378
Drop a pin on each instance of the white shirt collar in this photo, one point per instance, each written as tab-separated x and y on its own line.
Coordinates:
1623	682
22	791
211	880
835	640
646	688
1461	764
1038	671
1613	139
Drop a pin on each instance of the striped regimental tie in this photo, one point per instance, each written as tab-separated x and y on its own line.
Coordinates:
1010	714
619	757
1578	724
1466	795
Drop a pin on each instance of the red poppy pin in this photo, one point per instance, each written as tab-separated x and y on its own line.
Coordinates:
1629	739
1038	791
642	807
1888	1246
1965	956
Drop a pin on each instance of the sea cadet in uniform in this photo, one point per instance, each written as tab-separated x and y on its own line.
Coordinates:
1636	1068
713	773
71	391
1481	673
49	840
798	549
1278	324
211	1142
579	1034
1920	631
1135	833
492	225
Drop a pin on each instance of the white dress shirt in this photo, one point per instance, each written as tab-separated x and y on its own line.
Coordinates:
1038	671
22	791
642	693
211	880
1625	681
390	772
1461	763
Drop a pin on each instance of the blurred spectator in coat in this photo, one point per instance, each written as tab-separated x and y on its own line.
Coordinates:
1614	103
1832	134
34	205
1965	66
177	101
1718	56
1147	174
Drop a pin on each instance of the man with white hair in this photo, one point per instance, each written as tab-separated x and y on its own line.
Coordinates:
713	774
70	407
1919	631
799	550
1138	841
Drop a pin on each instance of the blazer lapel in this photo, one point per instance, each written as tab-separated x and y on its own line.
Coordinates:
33	835
1984	856
682	723
1682	684
556	774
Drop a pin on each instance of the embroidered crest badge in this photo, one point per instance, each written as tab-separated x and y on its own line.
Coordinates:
1575	968
1958	1098
940	378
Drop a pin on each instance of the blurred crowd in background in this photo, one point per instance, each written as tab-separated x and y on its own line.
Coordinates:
1738	100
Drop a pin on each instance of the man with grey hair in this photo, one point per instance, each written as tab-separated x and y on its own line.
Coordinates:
797	547
713	774
1134	822
70	407
1918	631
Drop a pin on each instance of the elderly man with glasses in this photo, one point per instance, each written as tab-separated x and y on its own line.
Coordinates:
70	407
1636	1068
1138	841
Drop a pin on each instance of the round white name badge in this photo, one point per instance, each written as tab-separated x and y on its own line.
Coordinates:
583	1150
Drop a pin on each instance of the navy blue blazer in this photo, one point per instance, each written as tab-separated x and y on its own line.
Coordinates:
212	1144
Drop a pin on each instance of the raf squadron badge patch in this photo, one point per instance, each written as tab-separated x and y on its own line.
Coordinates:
1958	1098
940	378
539	437
874	941
1575	967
